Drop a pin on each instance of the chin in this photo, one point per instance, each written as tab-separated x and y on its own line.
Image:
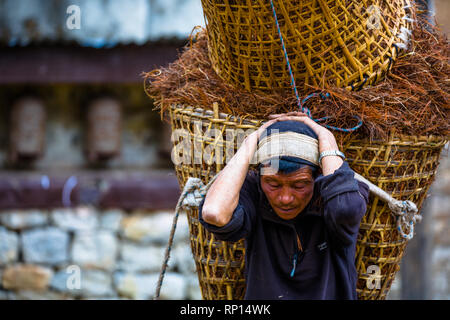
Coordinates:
287	215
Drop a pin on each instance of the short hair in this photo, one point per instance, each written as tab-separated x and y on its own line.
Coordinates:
288	165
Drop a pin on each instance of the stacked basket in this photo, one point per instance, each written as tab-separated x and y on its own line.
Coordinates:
404	166
343	43
328	42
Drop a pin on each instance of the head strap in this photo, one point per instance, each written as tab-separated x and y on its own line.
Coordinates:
288	143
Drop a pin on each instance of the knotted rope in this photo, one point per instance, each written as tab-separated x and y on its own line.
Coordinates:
192	195
194	191
405	211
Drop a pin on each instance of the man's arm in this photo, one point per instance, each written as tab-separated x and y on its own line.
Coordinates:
223	195
243	217
345	203
327	142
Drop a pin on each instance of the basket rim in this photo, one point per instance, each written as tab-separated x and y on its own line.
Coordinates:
206	115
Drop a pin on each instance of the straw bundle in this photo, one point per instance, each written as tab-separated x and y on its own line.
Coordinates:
414	98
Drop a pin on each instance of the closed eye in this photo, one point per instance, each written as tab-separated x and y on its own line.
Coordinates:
274	185
301	184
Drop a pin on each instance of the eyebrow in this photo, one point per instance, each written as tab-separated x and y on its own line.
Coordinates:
302	180
270	179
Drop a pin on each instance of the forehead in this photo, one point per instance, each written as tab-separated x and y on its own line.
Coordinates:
304	173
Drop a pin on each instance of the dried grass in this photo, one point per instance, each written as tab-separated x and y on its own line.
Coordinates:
413	99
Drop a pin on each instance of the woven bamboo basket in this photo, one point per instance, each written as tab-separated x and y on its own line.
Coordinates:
404	166
348	43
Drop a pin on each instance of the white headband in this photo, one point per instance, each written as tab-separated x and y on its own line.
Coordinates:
288	143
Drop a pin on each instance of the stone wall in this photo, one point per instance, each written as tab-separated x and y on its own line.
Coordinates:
118	254
85	253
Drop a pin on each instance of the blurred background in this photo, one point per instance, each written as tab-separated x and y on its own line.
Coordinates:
87	186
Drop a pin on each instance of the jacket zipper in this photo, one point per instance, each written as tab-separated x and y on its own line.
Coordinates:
299	250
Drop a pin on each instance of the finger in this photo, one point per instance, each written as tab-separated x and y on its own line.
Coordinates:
298	113
263	127
292	113
296	118
272	116
304	119
268	123
271	121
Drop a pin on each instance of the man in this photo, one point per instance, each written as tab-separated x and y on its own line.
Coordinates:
299	217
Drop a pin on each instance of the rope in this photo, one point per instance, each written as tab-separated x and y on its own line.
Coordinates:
405	212
194	191
294	87
191	196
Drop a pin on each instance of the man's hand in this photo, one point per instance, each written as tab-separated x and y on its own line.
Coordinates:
223	195
326	139
254	136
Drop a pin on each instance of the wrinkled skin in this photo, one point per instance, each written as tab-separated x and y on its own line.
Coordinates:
291	191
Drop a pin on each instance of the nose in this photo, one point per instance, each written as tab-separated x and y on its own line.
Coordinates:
285	197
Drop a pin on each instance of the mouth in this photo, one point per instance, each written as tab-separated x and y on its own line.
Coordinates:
286	210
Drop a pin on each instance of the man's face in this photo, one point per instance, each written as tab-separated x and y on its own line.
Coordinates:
288	194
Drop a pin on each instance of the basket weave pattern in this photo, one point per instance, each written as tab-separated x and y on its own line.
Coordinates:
404	166
342	42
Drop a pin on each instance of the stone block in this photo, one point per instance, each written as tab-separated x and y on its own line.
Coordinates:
174	286
46	245
22	219
183	258
95	249
143	286
67	281
182	230
110	219
88	284
135	257
96	283
152	227
77	219
33	277
9	246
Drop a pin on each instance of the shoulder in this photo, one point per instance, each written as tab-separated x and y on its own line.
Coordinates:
364	190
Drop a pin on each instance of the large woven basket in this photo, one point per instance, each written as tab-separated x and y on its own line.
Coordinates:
347	43
404	166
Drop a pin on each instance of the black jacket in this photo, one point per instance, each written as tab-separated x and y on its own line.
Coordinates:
276	267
